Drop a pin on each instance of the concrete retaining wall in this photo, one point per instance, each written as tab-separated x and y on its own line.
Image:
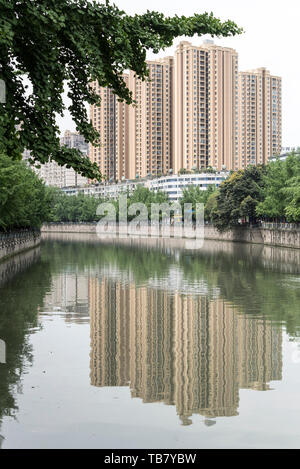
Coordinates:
272	237
16	242
18	263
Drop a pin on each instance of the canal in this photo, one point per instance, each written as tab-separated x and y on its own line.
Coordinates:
150	344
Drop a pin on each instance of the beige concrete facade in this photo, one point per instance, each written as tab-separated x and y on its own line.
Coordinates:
194	111
206	106
122	138
259	117
136	140
104	121
151	125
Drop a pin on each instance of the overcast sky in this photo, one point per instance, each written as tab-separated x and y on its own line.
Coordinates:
271	40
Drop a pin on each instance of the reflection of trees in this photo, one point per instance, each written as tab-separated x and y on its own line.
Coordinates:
20	298
248	276
142	264
244	281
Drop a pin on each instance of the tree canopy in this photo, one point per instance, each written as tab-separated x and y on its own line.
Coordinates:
238	197
23	198
83	208
281	194
71	208
195	195
46	44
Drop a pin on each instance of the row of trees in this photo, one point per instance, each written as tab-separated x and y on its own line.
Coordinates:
83	208
269	193
25	201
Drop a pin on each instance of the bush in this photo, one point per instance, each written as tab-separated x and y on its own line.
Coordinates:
23	201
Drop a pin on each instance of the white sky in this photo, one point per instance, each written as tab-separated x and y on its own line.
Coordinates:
271	40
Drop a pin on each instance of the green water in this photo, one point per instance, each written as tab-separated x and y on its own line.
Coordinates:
149	344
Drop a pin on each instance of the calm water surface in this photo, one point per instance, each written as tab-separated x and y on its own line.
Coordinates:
148	344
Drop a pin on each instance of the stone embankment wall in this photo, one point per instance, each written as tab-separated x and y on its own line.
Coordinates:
16	242
268	236
13	265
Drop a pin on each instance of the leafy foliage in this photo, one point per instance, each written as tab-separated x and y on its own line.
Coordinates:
71	208
195	195
211	206
238	197
52	43
281	194
83	208
23	202
145	196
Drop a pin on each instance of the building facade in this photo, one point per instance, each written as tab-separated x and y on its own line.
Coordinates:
206	106
259	117
104	121
151	125
193	112
172	185
60	176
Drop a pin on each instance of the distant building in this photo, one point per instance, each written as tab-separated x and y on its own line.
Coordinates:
60	176
74	140
171	185
259	117
174	185
285	150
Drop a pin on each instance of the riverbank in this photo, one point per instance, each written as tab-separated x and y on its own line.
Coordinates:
13	265
17	242
270	236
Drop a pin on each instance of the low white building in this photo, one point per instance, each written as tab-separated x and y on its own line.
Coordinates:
174	185
285	154
171	185
105	190
285	150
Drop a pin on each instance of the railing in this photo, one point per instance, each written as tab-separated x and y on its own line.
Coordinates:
20	234
280	226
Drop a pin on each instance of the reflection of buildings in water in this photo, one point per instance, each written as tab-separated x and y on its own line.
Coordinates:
186	351
175	281
69	294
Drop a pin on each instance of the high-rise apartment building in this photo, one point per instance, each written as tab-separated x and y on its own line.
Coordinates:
259	117
136	140
194	111
111	122
151	120
104	121
122	138
206	106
